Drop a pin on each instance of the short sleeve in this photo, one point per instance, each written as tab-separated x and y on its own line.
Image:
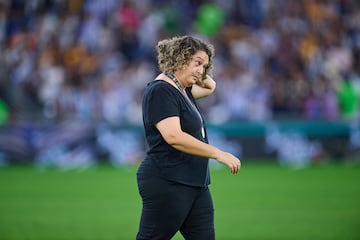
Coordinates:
160	102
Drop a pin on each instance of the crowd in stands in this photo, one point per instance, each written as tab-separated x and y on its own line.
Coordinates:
89	60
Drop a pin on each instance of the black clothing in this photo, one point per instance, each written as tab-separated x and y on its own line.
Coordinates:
162	100
169	207
173	185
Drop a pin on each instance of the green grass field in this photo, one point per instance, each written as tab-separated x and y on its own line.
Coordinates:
264	201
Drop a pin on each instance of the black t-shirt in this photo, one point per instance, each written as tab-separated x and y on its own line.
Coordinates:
162	100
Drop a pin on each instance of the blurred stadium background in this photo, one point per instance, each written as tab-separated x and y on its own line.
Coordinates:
72	73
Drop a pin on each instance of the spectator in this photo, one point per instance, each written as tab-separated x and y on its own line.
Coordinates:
348	99
53	49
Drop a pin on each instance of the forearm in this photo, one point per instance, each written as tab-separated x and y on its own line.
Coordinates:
208	83
186	143
173	135
203	88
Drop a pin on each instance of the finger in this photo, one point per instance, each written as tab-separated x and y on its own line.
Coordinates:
231	168
234	169
237	167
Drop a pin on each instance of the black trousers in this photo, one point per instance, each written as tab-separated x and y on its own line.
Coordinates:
169	207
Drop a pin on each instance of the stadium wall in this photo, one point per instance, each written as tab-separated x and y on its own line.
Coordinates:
79	143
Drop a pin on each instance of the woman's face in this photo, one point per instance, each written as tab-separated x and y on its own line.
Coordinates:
193	72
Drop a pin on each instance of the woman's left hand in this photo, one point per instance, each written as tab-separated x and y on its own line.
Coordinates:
203	87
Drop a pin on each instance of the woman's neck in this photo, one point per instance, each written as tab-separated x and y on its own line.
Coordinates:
175	80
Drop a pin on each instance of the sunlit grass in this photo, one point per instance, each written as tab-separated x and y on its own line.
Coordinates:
264	201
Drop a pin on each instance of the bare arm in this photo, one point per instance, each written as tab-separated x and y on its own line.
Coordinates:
203	88
171	132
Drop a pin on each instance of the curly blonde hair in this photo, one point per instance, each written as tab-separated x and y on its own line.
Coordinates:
175	53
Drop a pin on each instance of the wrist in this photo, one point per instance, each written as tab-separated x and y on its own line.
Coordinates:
215	153
208	82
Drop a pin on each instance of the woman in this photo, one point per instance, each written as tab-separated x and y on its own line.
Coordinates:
173	178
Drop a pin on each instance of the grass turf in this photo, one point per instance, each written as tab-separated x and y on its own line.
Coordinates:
264	201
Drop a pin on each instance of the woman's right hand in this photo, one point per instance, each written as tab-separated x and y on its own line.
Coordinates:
229	160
